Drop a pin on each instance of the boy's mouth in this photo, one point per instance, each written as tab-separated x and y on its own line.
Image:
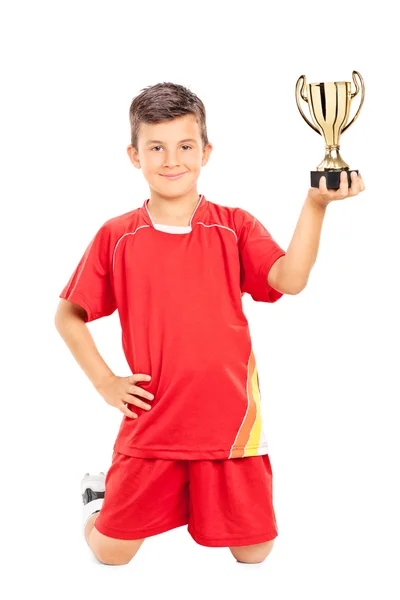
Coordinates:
173	176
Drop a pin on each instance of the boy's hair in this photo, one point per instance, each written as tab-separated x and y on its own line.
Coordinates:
164	102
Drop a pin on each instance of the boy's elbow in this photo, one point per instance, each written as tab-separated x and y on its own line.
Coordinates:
58	319
295	287
298	287
284	282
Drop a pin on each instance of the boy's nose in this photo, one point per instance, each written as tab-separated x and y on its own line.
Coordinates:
171	160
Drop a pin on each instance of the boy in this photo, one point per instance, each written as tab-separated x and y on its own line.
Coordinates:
191	447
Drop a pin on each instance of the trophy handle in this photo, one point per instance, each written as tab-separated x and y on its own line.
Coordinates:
300	95
354	94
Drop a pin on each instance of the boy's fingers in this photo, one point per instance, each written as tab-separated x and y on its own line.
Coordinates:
128	412
322	185
138	391
137	402
344	185
138	377
355	184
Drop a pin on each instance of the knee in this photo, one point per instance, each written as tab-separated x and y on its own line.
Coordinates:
256	553
108	555
111	558
110	551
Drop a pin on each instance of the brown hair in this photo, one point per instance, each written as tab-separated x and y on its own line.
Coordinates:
164	102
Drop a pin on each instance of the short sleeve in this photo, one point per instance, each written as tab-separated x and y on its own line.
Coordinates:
257	251
90	285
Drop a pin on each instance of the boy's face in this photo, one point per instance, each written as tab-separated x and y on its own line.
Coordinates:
170	148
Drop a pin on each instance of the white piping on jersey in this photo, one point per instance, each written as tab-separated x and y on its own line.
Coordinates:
187	229
121	238
217	225
190	222
177	232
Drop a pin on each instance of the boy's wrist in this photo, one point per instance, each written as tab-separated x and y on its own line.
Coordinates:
315	202
99	383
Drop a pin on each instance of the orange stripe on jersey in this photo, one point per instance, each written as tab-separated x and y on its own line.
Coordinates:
250	430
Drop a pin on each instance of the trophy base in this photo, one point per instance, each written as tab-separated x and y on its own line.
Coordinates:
332	178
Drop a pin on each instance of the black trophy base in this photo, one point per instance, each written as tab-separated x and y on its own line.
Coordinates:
332	178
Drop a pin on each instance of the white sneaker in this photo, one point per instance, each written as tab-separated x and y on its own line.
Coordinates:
92	490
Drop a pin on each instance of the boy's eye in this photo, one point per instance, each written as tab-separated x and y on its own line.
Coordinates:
183	146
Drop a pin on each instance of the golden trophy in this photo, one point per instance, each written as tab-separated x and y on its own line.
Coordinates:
329	106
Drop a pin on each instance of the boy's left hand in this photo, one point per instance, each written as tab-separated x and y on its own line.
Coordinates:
322	196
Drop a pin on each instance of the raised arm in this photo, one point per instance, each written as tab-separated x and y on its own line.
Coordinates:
290	273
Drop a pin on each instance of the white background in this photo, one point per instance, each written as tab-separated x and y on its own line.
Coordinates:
327	357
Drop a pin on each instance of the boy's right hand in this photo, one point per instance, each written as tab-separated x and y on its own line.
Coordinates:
118	392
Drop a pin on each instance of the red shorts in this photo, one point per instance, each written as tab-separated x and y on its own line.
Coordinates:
224	502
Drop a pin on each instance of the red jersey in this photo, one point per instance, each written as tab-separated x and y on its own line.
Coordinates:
179	300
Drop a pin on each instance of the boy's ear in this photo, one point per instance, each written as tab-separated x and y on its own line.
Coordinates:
133	156
206	154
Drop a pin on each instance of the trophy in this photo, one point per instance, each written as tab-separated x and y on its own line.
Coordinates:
329	106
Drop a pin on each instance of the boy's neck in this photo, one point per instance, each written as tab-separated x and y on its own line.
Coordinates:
172	211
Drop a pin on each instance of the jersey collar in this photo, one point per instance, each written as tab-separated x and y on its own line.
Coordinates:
197	214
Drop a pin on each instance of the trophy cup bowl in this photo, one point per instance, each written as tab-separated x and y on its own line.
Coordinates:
329	106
